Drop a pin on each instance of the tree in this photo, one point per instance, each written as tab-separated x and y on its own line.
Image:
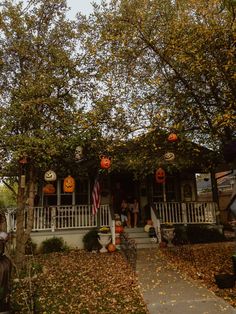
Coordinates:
42	78
168	64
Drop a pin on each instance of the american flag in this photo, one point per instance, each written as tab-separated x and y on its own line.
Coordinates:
96	197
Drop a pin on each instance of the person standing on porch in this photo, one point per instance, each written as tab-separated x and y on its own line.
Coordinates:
135	211
124	213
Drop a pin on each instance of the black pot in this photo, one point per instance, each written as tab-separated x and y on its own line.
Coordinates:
225	281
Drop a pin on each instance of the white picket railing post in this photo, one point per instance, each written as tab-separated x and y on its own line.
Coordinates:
53	218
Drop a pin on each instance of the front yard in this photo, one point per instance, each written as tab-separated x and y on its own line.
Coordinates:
202	261
78	282
89	283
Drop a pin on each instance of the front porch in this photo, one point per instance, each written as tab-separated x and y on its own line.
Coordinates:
72	222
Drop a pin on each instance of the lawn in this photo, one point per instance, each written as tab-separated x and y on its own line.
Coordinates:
82	282
78	282
201	262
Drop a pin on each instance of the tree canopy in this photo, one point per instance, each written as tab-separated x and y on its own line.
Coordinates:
130	68
42	79
166	64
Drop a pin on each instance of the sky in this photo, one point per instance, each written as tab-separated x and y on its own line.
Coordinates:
84	6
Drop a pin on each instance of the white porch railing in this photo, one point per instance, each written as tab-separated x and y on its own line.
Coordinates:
80	216
156	224
63	217
187	213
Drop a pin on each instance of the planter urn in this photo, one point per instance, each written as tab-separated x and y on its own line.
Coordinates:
104	239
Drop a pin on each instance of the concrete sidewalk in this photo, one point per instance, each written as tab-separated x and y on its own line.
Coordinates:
164	291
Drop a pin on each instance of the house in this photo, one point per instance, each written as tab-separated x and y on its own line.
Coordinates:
63	205
225	186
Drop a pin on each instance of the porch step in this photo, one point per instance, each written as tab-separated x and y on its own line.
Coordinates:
141	238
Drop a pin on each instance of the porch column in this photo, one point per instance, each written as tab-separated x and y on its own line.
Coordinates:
184	213
215	196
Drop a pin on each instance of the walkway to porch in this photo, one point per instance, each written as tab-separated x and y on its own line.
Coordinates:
166	291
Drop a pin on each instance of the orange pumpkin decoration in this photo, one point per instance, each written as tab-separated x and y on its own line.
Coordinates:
117	240
119	229
23	160
160	175
172	137
163	245
69	184
49	189
111	247
105	162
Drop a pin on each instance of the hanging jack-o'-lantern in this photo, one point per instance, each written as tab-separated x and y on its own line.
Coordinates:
172	137
169	156
160	175
49	189
50	176
23	160
69	184
105	162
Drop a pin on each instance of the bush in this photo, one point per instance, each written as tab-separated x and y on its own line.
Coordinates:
194	234
30	247
90	241
181	236
53	245
204	234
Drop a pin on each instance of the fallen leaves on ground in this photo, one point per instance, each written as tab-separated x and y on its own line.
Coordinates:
202	262
79	282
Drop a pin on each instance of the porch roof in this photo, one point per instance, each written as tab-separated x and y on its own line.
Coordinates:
145	153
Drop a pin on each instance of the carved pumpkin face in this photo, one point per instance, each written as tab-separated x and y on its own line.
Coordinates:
172	137
160	175
49	189
50	176
69	184
105	162
169	156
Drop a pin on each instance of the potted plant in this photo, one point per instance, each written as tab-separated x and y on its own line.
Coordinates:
168	233
104	238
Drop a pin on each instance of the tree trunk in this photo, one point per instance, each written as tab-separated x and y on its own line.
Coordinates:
24	216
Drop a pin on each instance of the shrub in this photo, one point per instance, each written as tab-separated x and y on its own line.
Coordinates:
90	240
30	247
53	245
181	236
194	234
204	234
